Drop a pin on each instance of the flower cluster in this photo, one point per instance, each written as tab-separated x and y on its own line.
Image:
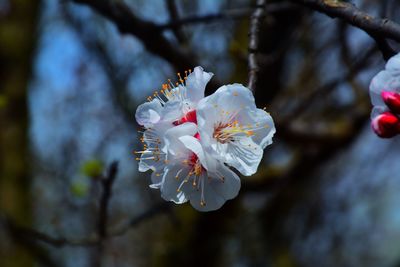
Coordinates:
385	97
190	141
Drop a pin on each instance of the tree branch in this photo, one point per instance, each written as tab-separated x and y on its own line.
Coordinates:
379	29
127	22
256	17
232	14
34	235
148	32
107	183
174	17
21	236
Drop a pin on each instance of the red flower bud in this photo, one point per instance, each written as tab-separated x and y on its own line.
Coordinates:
386	125
189	117
392	101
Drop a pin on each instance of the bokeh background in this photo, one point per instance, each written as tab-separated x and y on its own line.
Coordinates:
326	193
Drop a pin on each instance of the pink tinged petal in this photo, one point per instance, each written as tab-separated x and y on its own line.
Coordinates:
148	113
392	101
196	83
386	125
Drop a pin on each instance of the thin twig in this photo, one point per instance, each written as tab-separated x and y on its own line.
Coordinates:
107	184
22	237
162	207
232	14
94	240
256	17
359	63
153	39
174	17
146	31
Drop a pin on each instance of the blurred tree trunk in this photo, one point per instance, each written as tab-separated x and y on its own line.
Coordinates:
17	40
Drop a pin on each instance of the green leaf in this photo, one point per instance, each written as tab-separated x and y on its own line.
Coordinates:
79	188
92	168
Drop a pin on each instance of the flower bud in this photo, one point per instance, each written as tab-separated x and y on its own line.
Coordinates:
392	101
189	117
386	125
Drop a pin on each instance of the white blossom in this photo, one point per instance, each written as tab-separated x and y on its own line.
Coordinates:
387	80
174	105
235	129
190	141
385	98
174	102
189	173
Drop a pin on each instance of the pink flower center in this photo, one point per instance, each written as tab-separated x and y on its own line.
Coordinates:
189	117
193	161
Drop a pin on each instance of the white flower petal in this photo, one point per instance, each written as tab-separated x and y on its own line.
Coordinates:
213	200
254	131
264	127
377	110
172	110
154	141
143	166
207	115
244	155
146	164
157	179
385	80
196	83
172	138
148	113
194	145
171	184
229	186
222	106
233	97
394	63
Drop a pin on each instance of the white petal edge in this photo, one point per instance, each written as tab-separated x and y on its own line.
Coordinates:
148	113
196	83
